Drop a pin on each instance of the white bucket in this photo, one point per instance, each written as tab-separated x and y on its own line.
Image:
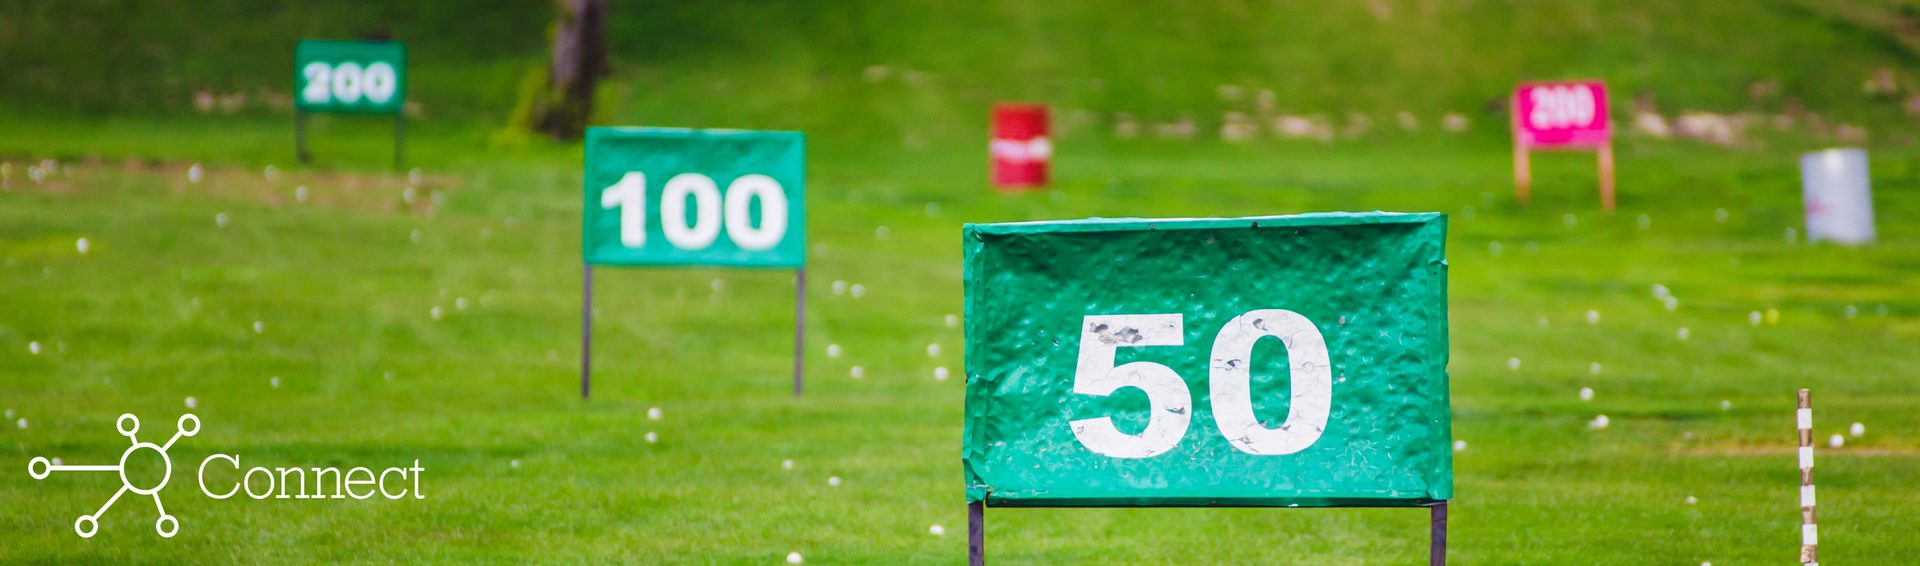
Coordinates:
1838	199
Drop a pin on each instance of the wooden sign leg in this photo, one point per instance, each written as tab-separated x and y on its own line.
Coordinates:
1437	551
1522	173
399	138
586	332
799	325
1606	177
300	137
977	533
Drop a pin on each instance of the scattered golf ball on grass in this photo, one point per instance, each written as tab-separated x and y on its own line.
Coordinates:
940	374
839	287
1594	368
1593	317
81	245
833	350
33	348
858	372
794	558
1753	318
22	423
259	327
1459	446
652	437
1683	333
786	464
937	530
191	402
220	219
654	413
435	313
933	350
275	383
857	291
1836	441
515	463
1599	422
1726	405
834	481
1586	394
953	321
1513	363
1690	500
1856	430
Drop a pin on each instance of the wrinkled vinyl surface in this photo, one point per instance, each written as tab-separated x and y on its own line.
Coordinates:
1372	284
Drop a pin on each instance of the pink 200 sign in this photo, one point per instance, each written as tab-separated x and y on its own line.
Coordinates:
1561	115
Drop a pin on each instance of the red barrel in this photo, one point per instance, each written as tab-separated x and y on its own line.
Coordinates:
1020	148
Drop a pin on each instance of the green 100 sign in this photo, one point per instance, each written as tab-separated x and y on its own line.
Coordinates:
1229	378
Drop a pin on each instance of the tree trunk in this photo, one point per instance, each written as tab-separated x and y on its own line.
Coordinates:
579	60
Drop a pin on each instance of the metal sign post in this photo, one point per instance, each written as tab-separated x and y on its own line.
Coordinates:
1319	340
349	77
678	197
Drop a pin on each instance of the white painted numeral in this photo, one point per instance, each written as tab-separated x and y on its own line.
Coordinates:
319	83
706	210
1229	379
1169	404
379	82
1562	106
346	82
773	212
630	194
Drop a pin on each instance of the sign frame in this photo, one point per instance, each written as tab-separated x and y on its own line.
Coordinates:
787	172
1422	236
311	51
1523	143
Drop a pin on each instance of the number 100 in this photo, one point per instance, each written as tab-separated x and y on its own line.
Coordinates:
630	196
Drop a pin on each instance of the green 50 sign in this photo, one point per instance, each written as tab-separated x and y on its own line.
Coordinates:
1295	360
658	196
353	77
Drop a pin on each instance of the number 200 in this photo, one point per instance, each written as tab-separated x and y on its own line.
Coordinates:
348	82
630	195
1229	378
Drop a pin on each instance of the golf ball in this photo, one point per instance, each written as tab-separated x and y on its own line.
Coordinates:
22	423
33	348
1837	441
1586	394
833	350
1856	430
515	463
194	173
941	374
1513	363
1660	291
1726	405
259	327
1753	318
786	464
220	219
839	287
937	530
834	481
435	312
652	437
81	245
275	382
1691	500
794	558
1459	445
858	372
953	321
191	402
1683	333
933	349
653	413
1599	422
858	291
1594	368
1593	317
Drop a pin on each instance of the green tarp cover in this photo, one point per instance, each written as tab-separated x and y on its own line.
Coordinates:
1162	326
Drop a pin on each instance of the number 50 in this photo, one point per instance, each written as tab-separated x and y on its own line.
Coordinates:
1229	375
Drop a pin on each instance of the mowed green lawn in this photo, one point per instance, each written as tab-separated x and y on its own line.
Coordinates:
162	308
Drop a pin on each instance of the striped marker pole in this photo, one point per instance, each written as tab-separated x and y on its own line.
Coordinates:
1809	530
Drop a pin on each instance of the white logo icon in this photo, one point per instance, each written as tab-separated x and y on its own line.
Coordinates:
87	525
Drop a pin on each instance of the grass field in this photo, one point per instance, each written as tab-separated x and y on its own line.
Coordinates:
344	286
162	307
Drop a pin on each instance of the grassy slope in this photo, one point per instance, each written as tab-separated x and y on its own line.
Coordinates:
345	298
